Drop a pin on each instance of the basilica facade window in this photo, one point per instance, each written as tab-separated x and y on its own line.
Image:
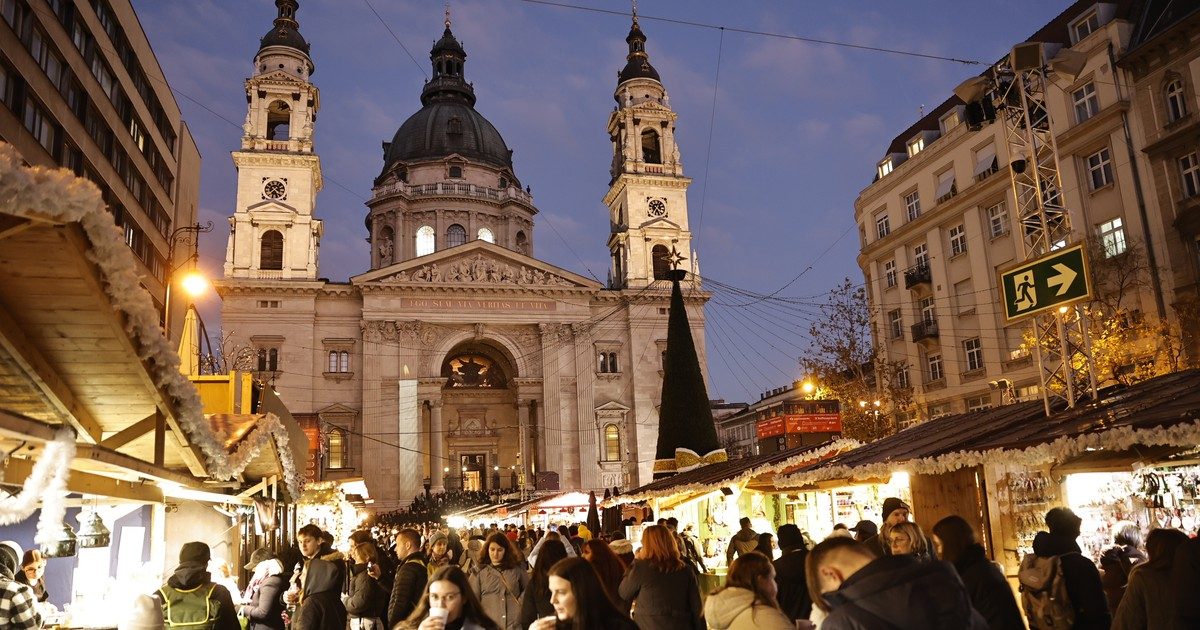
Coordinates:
271	250
659	256
336	454
651	153
486	234
456	235
426	240
612	443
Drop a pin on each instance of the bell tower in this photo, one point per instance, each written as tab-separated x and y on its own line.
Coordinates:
647	195
272	233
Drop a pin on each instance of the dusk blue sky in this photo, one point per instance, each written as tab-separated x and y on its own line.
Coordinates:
797	131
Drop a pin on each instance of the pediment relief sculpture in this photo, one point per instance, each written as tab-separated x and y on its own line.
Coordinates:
481	270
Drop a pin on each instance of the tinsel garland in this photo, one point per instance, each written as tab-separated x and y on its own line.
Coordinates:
57	194
47	482
838	446
1184	434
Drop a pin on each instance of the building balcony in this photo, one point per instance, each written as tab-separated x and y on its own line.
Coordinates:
442	189
925	330
917	275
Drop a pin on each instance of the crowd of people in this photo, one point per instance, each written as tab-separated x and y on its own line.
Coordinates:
436	506
887	576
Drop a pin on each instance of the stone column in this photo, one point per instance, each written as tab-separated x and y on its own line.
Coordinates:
523	444
437	459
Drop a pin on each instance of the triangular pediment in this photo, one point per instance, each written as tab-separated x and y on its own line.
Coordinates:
270	206
276	76
337	409
477	263
660	222
612	405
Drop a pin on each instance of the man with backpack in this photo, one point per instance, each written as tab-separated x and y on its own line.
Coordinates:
190	599
1060	588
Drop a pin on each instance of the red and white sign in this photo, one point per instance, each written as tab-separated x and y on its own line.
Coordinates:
770	427
814	423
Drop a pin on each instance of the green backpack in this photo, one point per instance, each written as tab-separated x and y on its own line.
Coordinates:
189	608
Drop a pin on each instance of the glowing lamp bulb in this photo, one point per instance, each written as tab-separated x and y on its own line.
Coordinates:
194	283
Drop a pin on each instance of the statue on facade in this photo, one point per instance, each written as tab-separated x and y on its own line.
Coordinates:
385	251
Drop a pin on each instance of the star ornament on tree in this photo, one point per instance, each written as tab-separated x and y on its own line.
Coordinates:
675	258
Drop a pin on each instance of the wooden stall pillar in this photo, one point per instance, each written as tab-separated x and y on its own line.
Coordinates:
960	492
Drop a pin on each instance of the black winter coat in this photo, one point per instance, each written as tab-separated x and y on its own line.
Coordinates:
663	601
408	587
902	593
1185	573
1115	565
265	610
990	593
535	604
321	608
1082	578
368	597
793	584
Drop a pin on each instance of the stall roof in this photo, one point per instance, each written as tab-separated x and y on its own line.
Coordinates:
732	472
1160	412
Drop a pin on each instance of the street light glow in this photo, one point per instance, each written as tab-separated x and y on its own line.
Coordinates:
194	283
807	387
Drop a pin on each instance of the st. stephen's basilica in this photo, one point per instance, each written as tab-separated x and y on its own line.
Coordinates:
458	359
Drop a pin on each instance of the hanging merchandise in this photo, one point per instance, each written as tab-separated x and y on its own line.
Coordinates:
63	545
92	532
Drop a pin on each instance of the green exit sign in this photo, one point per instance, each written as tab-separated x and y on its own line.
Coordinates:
1049	282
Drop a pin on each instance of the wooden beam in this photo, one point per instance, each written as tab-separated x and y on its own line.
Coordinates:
130	464
17	470
160	437
130	433
38	370
23	428
15	226
77	240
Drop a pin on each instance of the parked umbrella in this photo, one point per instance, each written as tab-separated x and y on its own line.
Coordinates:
593	516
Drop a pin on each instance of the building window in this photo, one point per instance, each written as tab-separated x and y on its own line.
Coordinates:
1086	104
38	124
271	252
268	359
895	324
1112	237
949	121
607	363
1189	168
612	443
455	235
337	449
485	234
884	168
1085	26
915	146
928	311
973	350
883	227
979	403
455	172
45	57
1099	166
426	240
985	162
659	255
912	205
1176	102
339	361
651	153
997	217
921	255
946	187
902	378
889	273
934	364
958	240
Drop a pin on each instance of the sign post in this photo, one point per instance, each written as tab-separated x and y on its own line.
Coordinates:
1033	287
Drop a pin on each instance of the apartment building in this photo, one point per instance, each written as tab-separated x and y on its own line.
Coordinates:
80	88
939	221
1163	64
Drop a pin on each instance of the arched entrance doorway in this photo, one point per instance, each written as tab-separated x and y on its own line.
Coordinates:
479	399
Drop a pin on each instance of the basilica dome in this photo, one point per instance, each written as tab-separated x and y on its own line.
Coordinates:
447	127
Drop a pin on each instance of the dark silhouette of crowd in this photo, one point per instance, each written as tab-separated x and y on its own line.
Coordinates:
886	576
437	506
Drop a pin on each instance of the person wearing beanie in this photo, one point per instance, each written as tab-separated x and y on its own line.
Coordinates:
624	550
144	614
1085	591
191	597
437	552
18	604
894	512
790	580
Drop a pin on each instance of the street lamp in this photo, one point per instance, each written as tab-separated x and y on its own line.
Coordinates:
192	282
871	408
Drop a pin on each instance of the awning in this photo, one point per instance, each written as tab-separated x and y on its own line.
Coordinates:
1160	413
985	160
945	185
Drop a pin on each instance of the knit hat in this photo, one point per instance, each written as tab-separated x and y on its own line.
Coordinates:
10	556
195	551
434	538
621	546
260	554
891	504
145	614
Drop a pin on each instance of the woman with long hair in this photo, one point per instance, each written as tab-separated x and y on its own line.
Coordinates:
580	601
535	601
663	591
766	545
955	542
747	601
609	568
499	580
448	604
367	601
1117	562
1149	600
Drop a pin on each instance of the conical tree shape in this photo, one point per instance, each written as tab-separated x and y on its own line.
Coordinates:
685	418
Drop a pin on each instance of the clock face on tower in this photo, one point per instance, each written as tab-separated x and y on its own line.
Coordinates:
658	208
275	189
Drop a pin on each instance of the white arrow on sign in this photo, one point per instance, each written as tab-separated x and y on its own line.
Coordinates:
1063	280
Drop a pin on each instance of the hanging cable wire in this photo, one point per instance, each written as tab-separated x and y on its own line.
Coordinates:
393	34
